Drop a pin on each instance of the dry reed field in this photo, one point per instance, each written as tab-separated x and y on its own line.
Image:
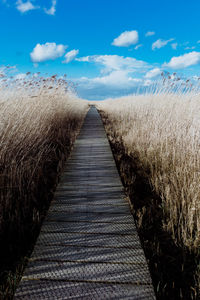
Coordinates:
159	134
39	120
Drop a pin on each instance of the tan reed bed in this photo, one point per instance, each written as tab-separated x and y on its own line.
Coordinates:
160	133
39	120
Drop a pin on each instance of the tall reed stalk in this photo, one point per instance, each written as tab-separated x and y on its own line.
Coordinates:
39	120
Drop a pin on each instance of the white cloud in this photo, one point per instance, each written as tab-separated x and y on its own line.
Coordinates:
115	84
115	62
138	46
84	58
183	61
174	46
25	6
126	39
51	11
150	33
70	56
153	73
118	76
48	51
160	43
117	79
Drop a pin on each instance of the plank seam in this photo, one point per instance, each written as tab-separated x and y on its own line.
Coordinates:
87	261
89	281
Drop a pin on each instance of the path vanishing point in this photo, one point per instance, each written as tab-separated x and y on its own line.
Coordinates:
88	247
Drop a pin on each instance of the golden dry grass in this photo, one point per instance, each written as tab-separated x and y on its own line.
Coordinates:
39	120
160	133
163	130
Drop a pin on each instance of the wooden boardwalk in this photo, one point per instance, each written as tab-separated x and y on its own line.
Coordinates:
88	247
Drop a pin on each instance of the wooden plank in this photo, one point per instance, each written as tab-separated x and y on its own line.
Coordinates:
88	247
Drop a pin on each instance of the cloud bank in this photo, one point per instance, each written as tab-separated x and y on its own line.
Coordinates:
115	62
118	75
184	61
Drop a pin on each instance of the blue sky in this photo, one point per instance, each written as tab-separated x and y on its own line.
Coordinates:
107	48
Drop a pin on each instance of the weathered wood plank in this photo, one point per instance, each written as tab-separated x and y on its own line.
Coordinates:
88	247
